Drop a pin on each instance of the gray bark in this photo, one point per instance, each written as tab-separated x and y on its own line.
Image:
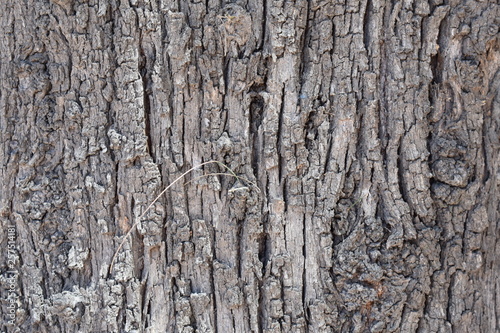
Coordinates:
370	128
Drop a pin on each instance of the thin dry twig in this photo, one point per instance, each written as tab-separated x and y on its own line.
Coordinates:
230	173
222	174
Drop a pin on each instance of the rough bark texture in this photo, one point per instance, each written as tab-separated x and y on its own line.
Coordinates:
370	127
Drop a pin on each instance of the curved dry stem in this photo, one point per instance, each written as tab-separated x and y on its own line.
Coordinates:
231	173
223	174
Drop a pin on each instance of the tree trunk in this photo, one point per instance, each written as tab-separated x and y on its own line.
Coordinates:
363	137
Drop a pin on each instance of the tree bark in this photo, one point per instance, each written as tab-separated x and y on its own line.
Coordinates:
364	137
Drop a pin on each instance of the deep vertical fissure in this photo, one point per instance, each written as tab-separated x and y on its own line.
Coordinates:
144	73
279	138
264	26
366	25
